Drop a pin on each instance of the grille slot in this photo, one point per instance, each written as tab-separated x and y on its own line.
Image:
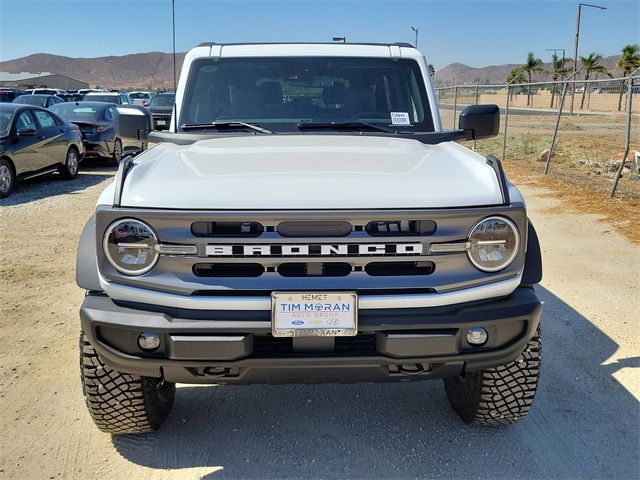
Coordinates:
269	345
228	269
314	229
387	269
329	269
381	228
227	229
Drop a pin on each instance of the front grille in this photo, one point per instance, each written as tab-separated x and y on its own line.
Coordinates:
379	269
228	269
380	228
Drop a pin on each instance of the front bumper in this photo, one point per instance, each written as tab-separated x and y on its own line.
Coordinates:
236	347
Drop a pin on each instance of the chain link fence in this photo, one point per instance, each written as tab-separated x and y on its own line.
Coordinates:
592	138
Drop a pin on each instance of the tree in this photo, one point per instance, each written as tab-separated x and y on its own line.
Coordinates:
591	64
515	76
558	70
532	65
628	62
432	70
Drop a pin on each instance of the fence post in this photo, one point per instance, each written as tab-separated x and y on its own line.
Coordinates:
506	122
628	136
455	105
555	130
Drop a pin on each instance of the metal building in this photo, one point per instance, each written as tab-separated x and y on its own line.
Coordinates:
26	80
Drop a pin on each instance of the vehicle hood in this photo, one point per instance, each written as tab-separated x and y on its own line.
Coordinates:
160	109
310	172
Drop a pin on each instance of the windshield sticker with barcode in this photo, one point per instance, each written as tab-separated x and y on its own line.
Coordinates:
400	118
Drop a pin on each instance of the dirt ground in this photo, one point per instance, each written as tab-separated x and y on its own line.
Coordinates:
584	424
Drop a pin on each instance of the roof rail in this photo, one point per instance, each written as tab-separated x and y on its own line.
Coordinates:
397	44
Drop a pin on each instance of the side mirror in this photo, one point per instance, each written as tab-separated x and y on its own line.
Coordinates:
480	121
132	125
27	132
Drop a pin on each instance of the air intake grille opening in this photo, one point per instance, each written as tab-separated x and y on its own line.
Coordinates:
228	269
380	228
314	229
327	269
387	269
227	229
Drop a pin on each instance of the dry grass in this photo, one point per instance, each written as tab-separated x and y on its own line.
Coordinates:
622	215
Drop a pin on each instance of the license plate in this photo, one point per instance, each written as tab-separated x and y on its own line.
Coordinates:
162	122
314	314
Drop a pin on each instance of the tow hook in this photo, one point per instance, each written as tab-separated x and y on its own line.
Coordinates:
216	372
410	368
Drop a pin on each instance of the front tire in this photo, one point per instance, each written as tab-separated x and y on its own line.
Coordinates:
7	178
120	402
69	170
117	152
500	395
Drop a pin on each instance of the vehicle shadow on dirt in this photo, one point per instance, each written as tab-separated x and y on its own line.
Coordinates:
53	184
584	424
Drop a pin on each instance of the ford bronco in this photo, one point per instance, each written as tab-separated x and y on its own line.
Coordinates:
307	219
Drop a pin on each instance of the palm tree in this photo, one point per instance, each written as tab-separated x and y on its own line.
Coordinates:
628	62
531	66
591	64
515	76
558	71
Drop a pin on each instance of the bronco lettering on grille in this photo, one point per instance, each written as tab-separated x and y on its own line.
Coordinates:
314	250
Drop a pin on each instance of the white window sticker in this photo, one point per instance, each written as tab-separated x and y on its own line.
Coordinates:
400	118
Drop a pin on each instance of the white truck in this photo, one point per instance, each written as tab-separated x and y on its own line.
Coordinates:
306	218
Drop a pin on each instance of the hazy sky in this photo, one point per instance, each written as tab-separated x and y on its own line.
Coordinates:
476	33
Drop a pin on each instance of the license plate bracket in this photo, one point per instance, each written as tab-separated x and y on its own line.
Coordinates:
314	314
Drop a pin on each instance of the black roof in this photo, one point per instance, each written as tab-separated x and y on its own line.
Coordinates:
396	44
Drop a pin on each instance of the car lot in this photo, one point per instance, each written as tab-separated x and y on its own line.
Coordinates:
584	423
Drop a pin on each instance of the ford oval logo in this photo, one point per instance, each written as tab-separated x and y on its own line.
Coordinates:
297	322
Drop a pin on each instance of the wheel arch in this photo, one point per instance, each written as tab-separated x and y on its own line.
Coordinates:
87	275
532	273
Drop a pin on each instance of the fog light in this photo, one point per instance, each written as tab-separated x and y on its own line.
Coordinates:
477	336
149	341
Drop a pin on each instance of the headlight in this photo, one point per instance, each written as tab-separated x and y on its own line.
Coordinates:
129	246
494	243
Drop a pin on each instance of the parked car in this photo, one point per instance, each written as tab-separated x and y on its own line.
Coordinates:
95	120
161	106
35	141
70	97
9	94
48	91
119	98
45	101
343	236
140	98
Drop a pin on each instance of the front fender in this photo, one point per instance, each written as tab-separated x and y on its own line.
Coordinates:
87	276
533	259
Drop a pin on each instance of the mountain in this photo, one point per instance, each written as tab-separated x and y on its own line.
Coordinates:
497	74
154	70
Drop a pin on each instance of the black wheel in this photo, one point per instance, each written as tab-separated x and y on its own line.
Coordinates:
119	402
500	395
7	178
117	152
71	165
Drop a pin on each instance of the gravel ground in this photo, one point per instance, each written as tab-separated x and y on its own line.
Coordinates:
584	423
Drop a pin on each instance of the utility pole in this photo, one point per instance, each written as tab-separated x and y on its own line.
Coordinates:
575	46
173	21
415	29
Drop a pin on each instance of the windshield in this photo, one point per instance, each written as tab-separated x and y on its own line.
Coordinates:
139	95
279	93
38	100
5	121
161	100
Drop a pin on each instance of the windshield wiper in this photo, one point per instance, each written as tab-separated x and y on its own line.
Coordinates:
222	125
309	125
